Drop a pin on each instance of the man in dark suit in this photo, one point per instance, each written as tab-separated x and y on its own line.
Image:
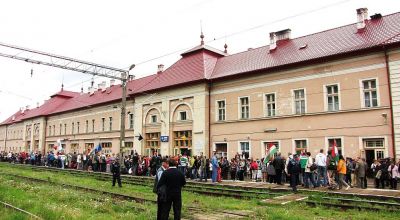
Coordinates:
116	172
174	181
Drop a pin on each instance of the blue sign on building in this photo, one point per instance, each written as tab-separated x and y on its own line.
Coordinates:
164	138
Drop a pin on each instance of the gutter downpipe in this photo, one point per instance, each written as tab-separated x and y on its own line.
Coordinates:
390	100
209	118
5	139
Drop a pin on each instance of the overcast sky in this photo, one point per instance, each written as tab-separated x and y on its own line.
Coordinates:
120	33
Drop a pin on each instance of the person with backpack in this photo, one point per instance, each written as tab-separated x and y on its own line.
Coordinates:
309	171
294	171
341	169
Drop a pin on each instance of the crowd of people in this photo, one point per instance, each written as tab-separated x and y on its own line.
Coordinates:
302	169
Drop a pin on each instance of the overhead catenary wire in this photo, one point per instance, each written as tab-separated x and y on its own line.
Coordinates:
231	34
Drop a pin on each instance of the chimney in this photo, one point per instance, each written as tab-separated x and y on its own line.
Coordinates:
275	37
362	15
103	86
112	82
160	68
272	41
91	90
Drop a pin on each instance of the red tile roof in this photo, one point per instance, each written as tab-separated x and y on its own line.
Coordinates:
49	106
204	63
332	42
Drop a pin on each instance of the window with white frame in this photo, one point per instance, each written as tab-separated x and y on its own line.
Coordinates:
221	110
93	125
182	116
111	124
332	96
73	128
269	144
337	142
370	93
245	148
270	104
299	101
153	119
87	126
77	127
244	108
300	146
374	143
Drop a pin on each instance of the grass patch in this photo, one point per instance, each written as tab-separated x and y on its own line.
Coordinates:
76	204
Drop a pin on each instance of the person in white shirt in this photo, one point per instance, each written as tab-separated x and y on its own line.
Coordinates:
393	169
320	160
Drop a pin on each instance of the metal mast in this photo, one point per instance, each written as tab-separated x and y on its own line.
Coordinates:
63	62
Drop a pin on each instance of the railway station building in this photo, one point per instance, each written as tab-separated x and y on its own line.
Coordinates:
337	86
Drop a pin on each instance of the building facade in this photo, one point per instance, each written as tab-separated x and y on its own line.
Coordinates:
340	86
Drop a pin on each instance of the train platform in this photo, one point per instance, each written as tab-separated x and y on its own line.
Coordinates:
367	193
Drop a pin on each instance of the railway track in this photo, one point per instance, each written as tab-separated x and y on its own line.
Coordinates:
211	190
346	203
31	215
193	209
343	202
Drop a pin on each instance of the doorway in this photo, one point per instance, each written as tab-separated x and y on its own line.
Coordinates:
221	150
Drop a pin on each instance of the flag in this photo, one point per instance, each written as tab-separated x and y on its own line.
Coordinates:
270	152
140	137
335	152
59	148
98	148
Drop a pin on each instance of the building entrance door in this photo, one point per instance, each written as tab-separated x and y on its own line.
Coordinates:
221	149
369	157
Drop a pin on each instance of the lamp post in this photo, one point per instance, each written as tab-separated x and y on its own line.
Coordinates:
124	79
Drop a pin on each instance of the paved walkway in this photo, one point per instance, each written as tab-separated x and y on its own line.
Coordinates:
352	191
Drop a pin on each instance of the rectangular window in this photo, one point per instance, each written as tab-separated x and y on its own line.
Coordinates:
93	125
269	144
65	128
244	108
72	128
106	145
183	139
153	119
87	126
131	121
182	116
331	142
110	125
332	95
270	104
300	146
370	93
153	140
380	154
299	101
245	148
374	143
49	130
221	110
77	127
60	128
54	130
103	124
